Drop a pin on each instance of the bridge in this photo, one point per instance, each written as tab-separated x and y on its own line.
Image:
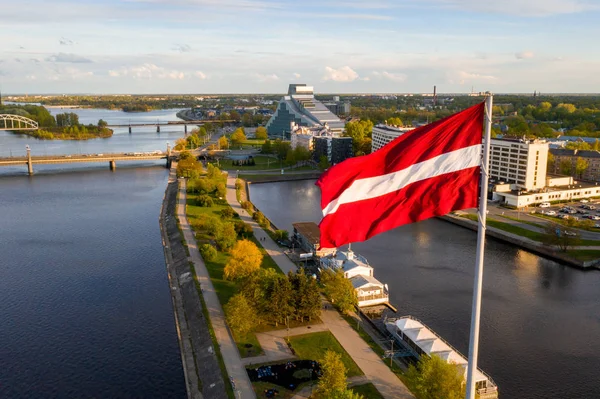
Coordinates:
112	158
158	124
17	122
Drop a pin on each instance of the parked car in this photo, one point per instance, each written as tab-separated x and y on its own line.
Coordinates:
570	233
544	205
550	213
592	207
563	216
597	225
594	217
584	201
572	211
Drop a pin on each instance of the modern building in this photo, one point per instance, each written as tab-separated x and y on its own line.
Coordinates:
419	340
337	107
383	134
336	149
520	162
303	136
352	264
301	107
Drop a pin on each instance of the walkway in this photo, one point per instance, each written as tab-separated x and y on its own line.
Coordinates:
231	357
376	371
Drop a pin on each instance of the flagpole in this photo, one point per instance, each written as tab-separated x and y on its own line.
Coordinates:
476	310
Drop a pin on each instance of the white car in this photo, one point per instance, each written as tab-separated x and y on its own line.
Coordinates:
570	233
550	213
544	205
595	217
584	201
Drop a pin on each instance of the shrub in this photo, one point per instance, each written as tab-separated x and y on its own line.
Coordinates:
225	236
227	212
205	200
281	235
212	225
208	252
242	229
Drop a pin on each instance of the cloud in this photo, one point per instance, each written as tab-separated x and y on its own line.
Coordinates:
524	55
30	77
66	42
394	77
182	48
200	75
64	57
465	77
528	8
266	78
146	71
343	74
296	75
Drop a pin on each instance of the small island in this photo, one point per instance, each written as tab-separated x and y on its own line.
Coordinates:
137	108
64	126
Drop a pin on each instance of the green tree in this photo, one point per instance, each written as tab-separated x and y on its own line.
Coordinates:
333	380
434	378
102	123
281	148
208	252
267	148
566	108
261	133
278	293
545	106
339	290
245	260
324	163
188	166
596	145
306	298
242	229
551	166
281	234
225	236
565	167
238	137
204	200
581	166
395	121
577	145
241	316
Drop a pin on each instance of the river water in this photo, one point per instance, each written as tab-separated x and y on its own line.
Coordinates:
85	308
540	324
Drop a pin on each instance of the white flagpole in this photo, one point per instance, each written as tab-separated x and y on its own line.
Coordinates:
476	310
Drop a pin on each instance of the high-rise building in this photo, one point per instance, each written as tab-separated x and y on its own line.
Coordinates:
383	134
301	107
336	149
520	162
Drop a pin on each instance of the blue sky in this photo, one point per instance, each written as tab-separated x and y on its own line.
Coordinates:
260	46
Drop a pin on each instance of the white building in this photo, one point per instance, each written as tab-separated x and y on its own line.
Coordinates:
303	136
369	290
519	162
421	340
383	134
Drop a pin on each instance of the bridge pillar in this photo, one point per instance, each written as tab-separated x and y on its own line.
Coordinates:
185	130
29	163
157	128
129	129
168	164
112	165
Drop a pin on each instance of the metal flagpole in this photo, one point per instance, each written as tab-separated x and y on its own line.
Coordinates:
476	310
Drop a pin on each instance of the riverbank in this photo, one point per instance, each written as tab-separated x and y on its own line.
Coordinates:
200	363
185	114
524	243
81	133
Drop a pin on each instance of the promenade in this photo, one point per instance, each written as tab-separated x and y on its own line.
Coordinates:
375	370
231	357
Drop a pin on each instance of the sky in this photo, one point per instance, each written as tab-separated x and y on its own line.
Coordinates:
261	46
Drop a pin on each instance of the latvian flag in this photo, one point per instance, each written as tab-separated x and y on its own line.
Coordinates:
429	171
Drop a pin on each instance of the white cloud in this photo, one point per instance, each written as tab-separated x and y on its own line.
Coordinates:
529	8
182	48
394	77
64	57
200	75
147	71
343	74
468	77
524	55
266	78
30	77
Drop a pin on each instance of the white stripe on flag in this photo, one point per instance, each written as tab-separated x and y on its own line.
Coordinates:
376	186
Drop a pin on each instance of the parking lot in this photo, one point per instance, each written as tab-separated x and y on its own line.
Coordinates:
574	210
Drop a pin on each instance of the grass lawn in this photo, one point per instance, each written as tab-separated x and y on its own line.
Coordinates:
584	254
368	391
260	387
313	347
523	221
262	162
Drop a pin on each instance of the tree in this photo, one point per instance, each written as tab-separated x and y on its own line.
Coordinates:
596	145
545	106
102	124
562	237
395	121
267	148
261	133
581	166
204	200
434	378
180	144
208	252
281	234
577	145
279	303
324	163
551	166
565	108
306	298
245	260
188	166
241	316
281	148
565	167
237	137
339	290
359	131
223	143
227	212
242	229
333	380
225	236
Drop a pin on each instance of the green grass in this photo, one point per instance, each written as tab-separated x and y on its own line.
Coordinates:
260	387
368	391
262	162
313	347
523	221
584	254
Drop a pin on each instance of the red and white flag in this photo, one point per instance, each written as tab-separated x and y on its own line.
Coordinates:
429	171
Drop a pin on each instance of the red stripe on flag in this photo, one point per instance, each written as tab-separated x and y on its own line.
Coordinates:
437	196
457	131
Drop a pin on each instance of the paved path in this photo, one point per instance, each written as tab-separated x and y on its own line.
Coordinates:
376	371
231	357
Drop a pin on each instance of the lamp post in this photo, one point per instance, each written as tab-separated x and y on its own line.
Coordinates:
392	353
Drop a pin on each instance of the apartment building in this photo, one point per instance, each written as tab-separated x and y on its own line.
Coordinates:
520	162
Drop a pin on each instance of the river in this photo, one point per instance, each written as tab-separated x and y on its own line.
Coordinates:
85	308
540	320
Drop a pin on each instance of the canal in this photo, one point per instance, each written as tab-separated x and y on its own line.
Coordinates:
85	308
540	320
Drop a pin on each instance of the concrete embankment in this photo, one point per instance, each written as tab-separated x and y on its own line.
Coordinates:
522	242
200	364
274	178
185	114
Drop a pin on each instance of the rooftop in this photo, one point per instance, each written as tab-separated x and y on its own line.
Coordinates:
363	280
308	230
